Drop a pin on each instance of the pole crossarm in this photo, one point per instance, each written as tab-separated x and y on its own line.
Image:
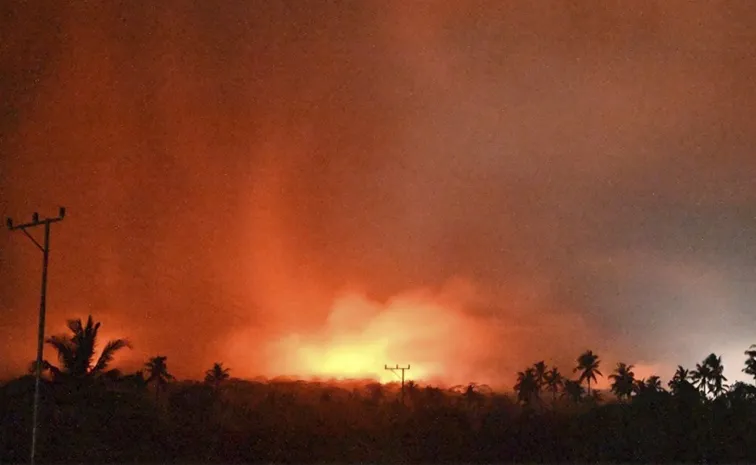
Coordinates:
45	248
31	224
394	369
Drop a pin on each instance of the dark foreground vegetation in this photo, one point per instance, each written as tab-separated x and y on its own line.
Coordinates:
92	414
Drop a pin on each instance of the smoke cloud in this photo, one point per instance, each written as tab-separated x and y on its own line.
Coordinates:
467	187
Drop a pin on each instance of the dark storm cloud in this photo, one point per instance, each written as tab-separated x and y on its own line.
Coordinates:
226	164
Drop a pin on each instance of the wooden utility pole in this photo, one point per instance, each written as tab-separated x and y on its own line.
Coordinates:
45	248
395	369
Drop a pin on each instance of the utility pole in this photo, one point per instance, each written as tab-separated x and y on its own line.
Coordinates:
395	369
45	248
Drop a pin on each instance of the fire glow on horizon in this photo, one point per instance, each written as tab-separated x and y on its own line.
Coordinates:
361	336
237	176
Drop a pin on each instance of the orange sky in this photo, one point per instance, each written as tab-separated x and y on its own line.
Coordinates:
467	187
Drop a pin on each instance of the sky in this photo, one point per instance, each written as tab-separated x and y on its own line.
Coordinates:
321	188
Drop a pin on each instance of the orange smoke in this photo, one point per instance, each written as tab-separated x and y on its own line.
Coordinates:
430	333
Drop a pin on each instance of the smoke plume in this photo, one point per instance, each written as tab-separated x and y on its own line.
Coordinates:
466	187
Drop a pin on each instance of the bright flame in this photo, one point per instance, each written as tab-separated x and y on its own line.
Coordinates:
360	337
345	361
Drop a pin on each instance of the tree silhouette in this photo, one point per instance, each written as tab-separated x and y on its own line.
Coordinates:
717	386
588	366
320	422
740	393
472	393
76	352
375	392
573	390
679	381
623	381
750	363
653	384
708	376
527	386
540	374
701	377
433	396
411	387
216	375
135	380
554	380
413	391
157	371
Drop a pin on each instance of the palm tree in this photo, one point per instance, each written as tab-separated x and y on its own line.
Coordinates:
527	386
588	364
540	374
701	377
472	393
717	386
623	381
216	375
682	388
554	380
750	362
76	352
681	377
653	384
709	376
573	390
157	370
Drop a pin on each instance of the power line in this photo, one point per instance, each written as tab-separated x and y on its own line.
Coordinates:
45	248
394	369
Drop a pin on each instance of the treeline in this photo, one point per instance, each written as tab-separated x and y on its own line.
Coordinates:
90	413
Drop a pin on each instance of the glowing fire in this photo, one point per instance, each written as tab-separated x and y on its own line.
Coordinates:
360	337
343	360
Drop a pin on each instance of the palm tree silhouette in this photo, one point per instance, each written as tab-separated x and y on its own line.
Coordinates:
623	381
76	351
554	380
588	364
540	374
709	376
472	393
573	390
216	375
701	377
527	386
680	378
157	370
653	384
681	386
750	363
717	386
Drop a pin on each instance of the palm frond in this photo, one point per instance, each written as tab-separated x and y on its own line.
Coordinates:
75	326
66	351
108	352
